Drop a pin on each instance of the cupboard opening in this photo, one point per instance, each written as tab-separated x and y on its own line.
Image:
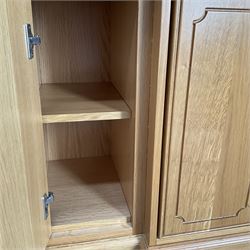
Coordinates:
87	73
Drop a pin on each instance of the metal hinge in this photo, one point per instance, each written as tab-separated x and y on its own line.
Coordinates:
47	199
30	40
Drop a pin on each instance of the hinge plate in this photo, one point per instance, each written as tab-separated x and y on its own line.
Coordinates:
47	199
30	40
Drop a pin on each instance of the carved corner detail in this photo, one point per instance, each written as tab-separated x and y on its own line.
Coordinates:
184	221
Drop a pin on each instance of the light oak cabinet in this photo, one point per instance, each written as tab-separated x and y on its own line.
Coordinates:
135	114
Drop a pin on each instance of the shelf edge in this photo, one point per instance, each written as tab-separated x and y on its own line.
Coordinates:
100	116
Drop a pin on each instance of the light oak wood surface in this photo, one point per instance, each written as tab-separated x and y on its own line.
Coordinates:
156	114
116	58
91	59
144	50
75	41
203	235
77	140
243	246
28	122
91	232
22	157
232	242
81	102
123	41
74	49
86	191
175	18
138	242
123	243
207	150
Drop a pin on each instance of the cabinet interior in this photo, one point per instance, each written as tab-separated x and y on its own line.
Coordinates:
87	76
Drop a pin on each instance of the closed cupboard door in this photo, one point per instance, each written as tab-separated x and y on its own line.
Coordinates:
206	171
22	161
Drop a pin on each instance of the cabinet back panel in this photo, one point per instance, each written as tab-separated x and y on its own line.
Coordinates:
75	41
76	140
74	48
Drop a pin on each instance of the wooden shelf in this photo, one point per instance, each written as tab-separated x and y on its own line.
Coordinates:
81	102
87	192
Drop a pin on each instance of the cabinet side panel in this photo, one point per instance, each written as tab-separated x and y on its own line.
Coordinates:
123	21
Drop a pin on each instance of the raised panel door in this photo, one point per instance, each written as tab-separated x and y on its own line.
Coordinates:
207	147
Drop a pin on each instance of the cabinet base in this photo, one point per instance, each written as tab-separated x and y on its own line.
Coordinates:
240	242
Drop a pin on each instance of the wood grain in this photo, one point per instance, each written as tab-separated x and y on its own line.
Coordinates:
77	140
241	242
173	47
86	190
73	53
22	157
122	243
91	233
204	235
243	246
75	41
156	113
123	40
208	147
235	242
81	102
89	60
144	49
106	51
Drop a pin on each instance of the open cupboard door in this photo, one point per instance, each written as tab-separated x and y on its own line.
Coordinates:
22	158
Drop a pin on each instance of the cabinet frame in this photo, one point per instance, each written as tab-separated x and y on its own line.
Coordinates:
161	28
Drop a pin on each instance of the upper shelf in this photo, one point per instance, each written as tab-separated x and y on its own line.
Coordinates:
81	102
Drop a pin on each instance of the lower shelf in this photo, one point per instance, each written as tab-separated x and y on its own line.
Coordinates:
87	192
